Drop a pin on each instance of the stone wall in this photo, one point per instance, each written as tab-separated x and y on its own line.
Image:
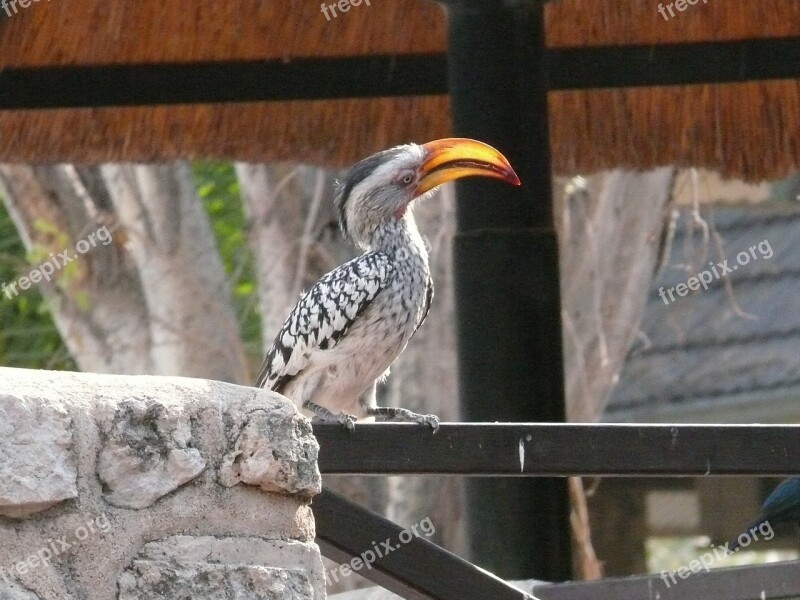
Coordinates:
134	488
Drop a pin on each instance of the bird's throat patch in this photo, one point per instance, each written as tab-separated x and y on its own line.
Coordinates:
400	212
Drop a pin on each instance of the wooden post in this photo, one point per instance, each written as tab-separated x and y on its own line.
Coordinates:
507	283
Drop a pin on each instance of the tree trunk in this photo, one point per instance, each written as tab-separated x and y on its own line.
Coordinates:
611	234
137	301
191	319
611	237
96	301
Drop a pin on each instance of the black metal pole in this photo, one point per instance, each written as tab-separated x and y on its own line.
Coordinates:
507	284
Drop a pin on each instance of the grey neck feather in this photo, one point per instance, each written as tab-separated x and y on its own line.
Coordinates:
399	238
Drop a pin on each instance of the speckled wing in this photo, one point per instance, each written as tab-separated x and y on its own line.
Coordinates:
323	316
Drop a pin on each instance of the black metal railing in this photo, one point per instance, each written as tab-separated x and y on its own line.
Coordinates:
424	571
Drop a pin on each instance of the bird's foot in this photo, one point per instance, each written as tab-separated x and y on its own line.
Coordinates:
349	421
323	415
392	413
431	420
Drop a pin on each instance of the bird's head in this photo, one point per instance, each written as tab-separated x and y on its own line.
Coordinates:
378	189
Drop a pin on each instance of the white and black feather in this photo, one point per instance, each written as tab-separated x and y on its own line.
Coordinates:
323	316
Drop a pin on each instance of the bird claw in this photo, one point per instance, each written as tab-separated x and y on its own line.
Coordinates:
349	421
431	420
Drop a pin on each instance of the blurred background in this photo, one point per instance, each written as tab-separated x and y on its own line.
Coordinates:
221	215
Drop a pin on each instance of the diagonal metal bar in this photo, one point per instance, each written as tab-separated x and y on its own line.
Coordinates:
415	569
557	449
776	581
420	570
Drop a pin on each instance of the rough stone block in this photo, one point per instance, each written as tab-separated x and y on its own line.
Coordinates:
13	592
37	468
147	454
267	453
121	460
183	566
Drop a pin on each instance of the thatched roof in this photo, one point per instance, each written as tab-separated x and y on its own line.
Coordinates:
749	129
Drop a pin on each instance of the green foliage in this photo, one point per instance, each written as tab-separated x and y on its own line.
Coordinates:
28	336
219	191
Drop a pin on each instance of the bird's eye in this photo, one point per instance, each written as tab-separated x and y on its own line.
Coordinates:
407	179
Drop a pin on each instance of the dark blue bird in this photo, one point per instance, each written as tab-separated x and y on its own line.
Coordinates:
781	506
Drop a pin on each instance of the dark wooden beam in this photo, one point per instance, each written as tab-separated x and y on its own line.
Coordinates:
416	570
561	449
92	86
675	64
507	285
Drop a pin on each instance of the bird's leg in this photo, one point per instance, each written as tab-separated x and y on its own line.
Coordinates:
323	415
392	413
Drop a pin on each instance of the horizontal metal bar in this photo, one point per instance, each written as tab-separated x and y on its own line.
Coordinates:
559	449
776	581
91	86
415	569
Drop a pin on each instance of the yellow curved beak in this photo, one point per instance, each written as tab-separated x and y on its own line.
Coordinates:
454	158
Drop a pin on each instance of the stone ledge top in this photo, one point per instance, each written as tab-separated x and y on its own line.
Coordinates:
143	437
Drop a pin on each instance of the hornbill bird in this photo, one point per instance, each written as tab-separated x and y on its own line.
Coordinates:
343	335
781	506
